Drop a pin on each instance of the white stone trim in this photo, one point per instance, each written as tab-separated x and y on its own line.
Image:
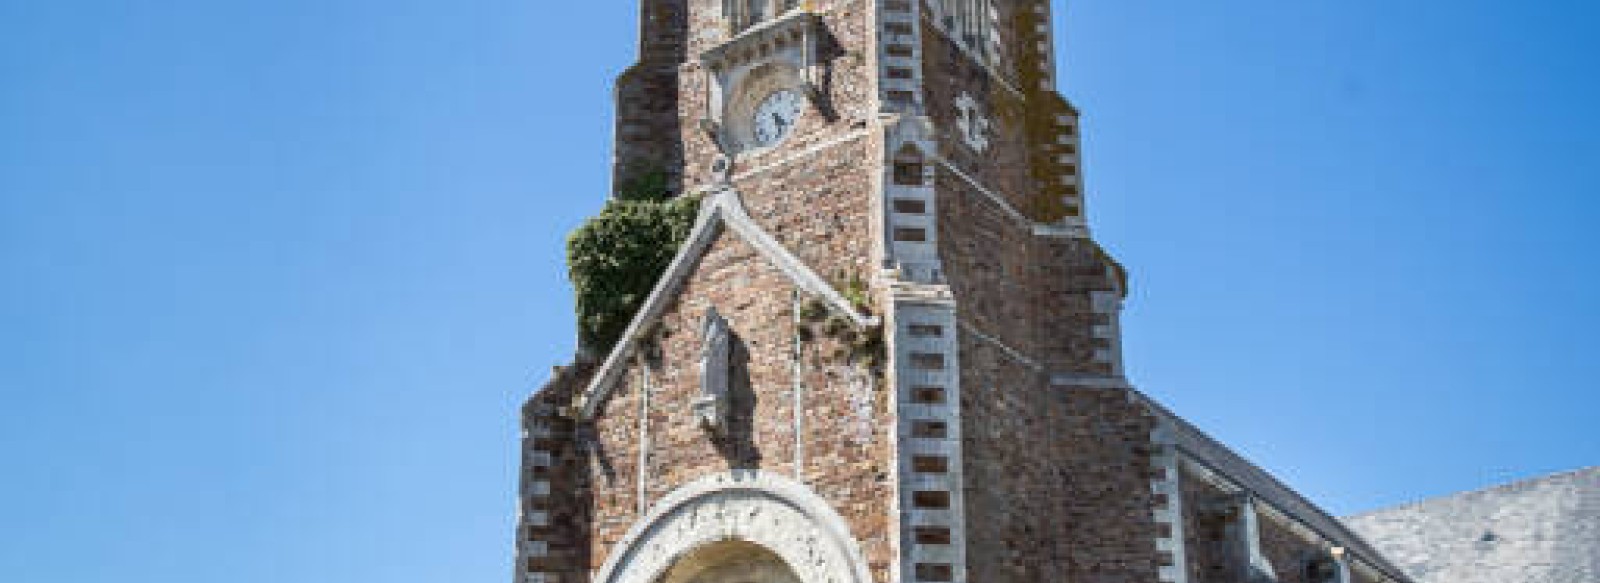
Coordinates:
1090	381
927	307
799	155
1265	507
1015	354
762	508
994	197
1168	484
1109	305
909	18
1341	562
916	261
1040	229
643	485
1047	29
1249	524
526	547
799	394
721	210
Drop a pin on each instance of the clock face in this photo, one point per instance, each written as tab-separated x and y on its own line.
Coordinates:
775	117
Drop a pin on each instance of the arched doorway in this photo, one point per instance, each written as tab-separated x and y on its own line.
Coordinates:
741	527
731	562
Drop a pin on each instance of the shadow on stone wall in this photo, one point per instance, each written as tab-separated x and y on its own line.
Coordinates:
737	443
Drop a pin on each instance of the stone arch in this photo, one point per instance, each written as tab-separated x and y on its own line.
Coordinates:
730	562
753	514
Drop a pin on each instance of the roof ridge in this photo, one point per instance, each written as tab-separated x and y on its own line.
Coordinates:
1505	487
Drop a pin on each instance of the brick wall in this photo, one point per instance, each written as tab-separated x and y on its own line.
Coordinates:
819	207
1107	497
1058	473
1068	273
553	535
646	96
950	73
848	460
1206	540
1058	478
986	259
848	84
1287	551
1014	476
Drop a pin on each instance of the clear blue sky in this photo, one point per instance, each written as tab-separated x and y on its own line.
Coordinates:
274	276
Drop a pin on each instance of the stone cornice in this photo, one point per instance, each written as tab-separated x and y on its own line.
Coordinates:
798	26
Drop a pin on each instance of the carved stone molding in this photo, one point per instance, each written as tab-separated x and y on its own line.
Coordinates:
760	508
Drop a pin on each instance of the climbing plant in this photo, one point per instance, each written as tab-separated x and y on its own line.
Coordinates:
615	259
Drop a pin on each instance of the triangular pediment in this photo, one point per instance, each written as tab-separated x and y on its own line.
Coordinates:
722	212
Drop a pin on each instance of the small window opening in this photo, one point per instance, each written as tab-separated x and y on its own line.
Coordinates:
927	361
930	464
930	429
911	234
910	206
935	573
932	535
928	395
908	167
930	499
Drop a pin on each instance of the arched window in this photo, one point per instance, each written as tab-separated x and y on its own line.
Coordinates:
908	167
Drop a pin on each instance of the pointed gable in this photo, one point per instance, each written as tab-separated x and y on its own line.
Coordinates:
722	213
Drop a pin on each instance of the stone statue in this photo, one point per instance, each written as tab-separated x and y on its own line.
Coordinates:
711	408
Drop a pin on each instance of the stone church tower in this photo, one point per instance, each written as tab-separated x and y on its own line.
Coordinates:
889	351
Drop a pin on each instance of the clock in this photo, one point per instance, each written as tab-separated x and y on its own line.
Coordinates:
775	117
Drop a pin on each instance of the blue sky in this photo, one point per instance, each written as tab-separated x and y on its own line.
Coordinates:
274	276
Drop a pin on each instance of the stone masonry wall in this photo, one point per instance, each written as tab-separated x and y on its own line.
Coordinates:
986	260
1215	552
553	533
647	98
950	73
1067	273
1287	551
1015	531
847	460
848	88
819	207
1058	478
1205	533
1033	293
1107	498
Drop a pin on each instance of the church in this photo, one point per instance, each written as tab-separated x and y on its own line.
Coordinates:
888	349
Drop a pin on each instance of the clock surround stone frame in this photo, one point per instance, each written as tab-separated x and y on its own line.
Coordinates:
780	54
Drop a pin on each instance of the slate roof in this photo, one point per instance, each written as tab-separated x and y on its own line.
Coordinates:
1545	530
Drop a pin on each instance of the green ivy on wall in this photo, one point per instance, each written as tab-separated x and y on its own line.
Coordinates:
616	258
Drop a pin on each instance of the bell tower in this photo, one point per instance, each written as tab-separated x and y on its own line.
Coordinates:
889	350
